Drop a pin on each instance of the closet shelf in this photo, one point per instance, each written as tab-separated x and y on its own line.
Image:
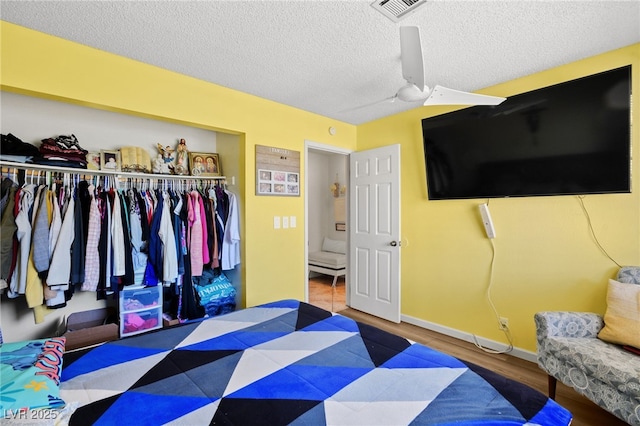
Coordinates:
119	174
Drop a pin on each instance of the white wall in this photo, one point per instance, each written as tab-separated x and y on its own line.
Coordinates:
322	169
318	198
337	166
33	119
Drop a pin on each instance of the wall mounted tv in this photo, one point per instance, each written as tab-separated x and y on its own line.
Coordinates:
566	139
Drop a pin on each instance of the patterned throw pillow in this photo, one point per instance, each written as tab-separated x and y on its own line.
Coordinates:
30	374
622	318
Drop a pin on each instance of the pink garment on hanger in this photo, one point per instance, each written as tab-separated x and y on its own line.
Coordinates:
205	235
195	239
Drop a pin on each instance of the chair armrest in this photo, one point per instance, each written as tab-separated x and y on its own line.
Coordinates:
567	324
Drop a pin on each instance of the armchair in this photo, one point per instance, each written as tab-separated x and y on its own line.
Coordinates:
569	350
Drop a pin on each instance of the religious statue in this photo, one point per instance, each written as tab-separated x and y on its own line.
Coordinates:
182	158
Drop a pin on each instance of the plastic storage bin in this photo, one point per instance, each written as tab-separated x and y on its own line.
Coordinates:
140	310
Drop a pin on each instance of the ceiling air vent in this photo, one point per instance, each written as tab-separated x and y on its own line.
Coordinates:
396	10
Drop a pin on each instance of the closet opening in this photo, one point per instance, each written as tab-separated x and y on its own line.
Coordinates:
100	129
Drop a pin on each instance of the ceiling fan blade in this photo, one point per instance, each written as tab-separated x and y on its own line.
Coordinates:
411	56
444	96
390	99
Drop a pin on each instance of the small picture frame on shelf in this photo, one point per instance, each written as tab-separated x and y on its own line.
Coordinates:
110	160
204	164
93	161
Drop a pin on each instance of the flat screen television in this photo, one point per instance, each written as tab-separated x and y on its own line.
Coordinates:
566	139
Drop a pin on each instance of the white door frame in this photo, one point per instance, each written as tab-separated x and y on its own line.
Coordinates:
326	148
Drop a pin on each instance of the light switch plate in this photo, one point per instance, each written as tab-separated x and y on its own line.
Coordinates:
276	222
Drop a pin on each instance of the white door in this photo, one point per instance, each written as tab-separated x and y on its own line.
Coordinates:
374	232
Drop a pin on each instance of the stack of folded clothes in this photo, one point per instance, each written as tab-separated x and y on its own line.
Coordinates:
63	151
14	149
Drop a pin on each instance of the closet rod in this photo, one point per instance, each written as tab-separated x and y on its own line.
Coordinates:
120	174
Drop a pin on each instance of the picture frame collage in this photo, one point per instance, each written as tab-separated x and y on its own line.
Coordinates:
274	182
277	171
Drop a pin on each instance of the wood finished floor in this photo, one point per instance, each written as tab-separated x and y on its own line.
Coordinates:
585	412
322	295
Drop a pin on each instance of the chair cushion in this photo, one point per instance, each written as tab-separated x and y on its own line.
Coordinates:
334	246
622	318
328	259
581	357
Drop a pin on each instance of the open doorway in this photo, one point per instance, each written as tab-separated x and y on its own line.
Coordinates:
326	226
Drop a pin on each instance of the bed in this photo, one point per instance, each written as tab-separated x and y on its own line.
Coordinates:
289	362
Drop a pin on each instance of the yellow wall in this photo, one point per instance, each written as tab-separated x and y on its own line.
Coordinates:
545	256
37	64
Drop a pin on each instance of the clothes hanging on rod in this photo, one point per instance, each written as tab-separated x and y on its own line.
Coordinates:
101	237
230	252
8	228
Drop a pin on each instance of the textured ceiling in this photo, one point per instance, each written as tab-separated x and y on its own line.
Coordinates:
329	57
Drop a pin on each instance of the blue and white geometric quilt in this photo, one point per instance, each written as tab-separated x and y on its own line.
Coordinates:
289	362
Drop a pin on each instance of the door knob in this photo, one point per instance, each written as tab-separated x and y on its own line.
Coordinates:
394	243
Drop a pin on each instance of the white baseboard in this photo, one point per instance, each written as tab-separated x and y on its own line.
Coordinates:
468	337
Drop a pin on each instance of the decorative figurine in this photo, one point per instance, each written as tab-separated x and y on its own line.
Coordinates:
182	160
158	164
167	157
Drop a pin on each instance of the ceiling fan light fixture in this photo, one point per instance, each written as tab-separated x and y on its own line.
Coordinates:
397	10
412	93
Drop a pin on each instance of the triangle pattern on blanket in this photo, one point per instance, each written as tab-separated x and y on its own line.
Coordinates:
183	384
152	409
106	356
301	382
334	323
309	314
179	362
381	345
349	353
535	401
89	414
239	340
261	411
452	398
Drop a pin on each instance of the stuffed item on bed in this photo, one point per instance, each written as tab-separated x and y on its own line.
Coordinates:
289	362
30	373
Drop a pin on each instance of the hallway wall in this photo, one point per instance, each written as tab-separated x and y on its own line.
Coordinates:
322	174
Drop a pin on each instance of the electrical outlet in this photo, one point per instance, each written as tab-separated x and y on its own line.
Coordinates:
504	323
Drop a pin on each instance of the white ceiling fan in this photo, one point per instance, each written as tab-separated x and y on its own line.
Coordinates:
413	71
